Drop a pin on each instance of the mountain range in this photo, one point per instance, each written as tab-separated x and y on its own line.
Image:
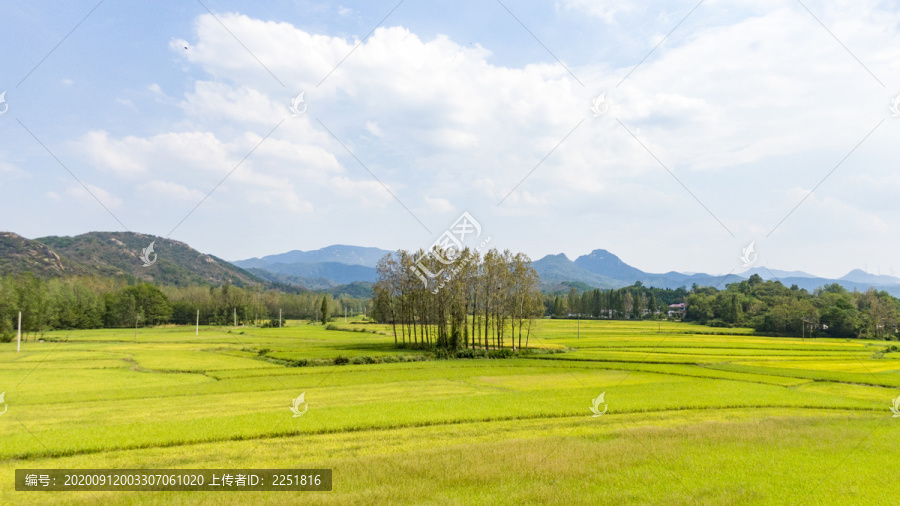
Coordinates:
321	269
343	269
338	253
598	269
602	269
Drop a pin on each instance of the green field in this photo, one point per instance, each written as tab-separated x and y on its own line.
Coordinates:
694	415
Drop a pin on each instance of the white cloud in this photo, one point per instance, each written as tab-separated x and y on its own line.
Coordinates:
695	103
170	190
368	193
280	199
213	101
731	105
831	213
438	204
130	156
106	198
372	128
10	170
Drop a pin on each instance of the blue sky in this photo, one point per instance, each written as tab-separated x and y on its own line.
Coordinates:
718	138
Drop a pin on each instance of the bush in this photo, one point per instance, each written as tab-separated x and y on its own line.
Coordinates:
341	360
501	353
331	326
470	353
441	354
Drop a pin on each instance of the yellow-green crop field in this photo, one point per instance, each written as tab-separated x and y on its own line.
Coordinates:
693	415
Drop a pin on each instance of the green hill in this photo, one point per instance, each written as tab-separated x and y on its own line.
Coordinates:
117	254
18	254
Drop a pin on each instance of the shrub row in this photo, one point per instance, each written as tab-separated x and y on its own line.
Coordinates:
332	326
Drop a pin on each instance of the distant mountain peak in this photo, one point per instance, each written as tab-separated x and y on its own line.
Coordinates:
861	276
336	253
767	274
604	263
600	252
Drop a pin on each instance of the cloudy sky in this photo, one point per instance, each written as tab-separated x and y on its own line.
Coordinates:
711	126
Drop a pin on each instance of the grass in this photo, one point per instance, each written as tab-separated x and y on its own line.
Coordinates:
694	415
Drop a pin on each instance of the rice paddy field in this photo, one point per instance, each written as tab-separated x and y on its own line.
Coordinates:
691	415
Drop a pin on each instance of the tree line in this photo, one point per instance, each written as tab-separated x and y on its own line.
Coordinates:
91	302
771	307
632	302
473	301
478	301
766	306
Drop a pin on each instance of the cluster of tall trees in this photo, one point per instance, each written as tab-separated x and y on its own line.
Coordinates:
96	302
77	303
476	301
632	302
769	306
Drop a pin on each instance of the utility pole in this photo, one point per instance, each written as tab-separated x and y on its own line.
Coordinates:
198	323
579	325
136	318
19	338
279	317
235	317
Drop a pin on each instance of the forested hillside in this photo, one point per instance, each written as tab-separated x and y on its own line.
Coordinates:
118	254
